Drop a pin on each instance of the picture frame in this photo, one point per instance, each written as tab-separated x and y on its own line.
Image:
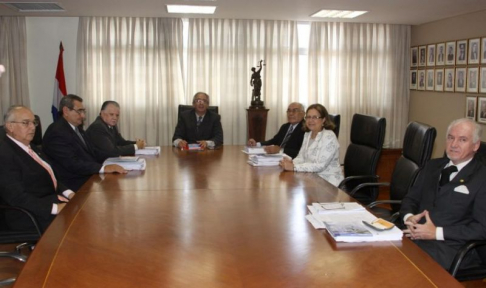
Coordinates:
461	52
460	80
413	79
449	76
421	80
430	77
431	55
451	53
483	50
472	79
414	56
439	79
481	114
482	82
471	107
422	56
474	51
440	54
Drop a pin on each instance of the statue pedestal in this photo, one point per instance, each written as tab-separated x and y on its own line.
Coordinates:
257	122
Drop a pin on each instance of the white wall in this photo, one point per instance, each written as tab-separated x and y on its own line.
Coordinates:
43	37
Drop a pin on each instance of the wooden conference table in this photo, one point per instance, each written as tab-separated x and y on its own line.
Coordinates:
208	219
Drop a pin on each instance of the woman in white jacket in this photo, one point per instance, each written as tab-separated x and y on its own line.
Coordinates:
320	149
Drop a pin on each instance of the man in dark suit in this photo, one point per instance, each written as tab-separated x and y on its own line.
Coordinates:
26	179
103	134
64	142
445	207
289	137
198	125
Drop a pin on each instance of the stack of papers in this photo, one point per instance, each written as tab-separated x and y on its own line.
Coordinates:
254	150
343	222
128	163
154	150
265	160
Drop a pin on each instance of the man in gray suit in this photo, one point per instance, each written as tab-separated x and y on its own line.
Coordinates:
103	134
445	207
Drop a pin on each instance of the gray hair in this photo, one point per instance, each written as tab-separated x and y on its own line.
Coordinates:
301	106
8	117
477	128
195	95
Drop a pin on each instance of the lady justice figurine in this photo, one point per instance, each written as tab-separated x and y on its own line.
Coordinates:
256	82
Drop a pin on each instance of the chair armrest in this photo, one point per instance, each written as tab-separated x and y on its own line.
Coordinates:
359	177
456	263
32	218
361	186
373	204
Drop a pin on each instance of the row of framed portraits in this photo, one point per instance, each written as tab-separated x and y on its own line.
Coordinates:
476	108
459	79
461	52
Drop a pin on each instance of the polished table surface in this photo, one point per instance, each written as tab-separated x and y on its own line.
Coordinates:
208	219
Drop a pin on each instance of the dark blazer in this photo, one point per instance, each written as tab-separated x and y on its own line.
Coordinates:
108	142
295	141
209	129
72	161
462	215
25	183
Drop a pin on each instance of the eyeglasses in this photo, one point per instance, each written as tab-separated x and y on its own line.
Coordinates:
200	101
295	110
79	111
26	123
312	117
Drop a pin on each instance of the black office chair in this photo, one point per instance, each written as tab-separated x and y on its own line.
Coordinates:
418	144
362	155
478	271
8	236
183	108
336	119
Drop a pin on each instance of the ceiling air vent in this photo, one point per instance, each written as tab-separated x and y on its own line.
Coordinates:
34	6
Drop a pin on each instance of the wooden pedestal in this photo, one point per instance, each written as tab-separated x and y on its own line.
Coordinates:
257	123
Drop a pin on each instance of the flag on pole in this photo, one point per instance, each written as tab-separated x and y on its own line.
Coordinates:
59	85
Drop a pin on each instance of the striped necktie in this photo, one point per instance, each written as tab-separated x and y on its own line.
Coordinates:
199	121
43	164
287	137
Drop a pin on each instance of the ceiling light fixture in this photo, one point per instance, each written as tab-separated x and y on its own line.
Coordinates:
338	14
191	9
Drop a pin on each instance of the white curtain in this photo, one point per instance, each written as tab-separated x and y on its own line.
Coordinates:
361	68
220	55
14	89
138	63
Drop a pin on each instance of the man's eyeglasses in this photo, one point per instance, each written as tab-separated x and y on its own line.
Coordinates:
79	111
295	110
27	123
200	101
312	117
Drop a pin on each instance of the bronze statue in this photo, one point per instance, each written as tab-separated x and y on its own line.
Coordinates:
256	82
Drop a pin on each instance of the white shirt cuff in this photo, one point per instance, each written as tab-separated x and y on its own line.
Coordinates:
67	193
136	147
406	217
102	170
258	144
439	233
54	209
176	142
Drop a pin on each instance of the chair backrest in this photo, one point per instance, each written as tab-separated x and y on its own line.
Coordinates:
367	136
336	119
418	144
183	108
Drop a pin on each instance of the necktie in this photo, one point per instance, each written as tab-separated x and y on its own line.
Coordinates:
43	164
445	175
287	137
199	121
80	136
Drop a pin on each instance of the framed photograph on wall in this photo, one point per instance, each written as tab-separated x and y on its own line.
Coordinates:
440	54
460	80
451	53
439	79
431	55
472	79
483	50
481	109
430	80
461	55
413	57
422	53
421	80
471	107
449	79
413	79
474	51
482	83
